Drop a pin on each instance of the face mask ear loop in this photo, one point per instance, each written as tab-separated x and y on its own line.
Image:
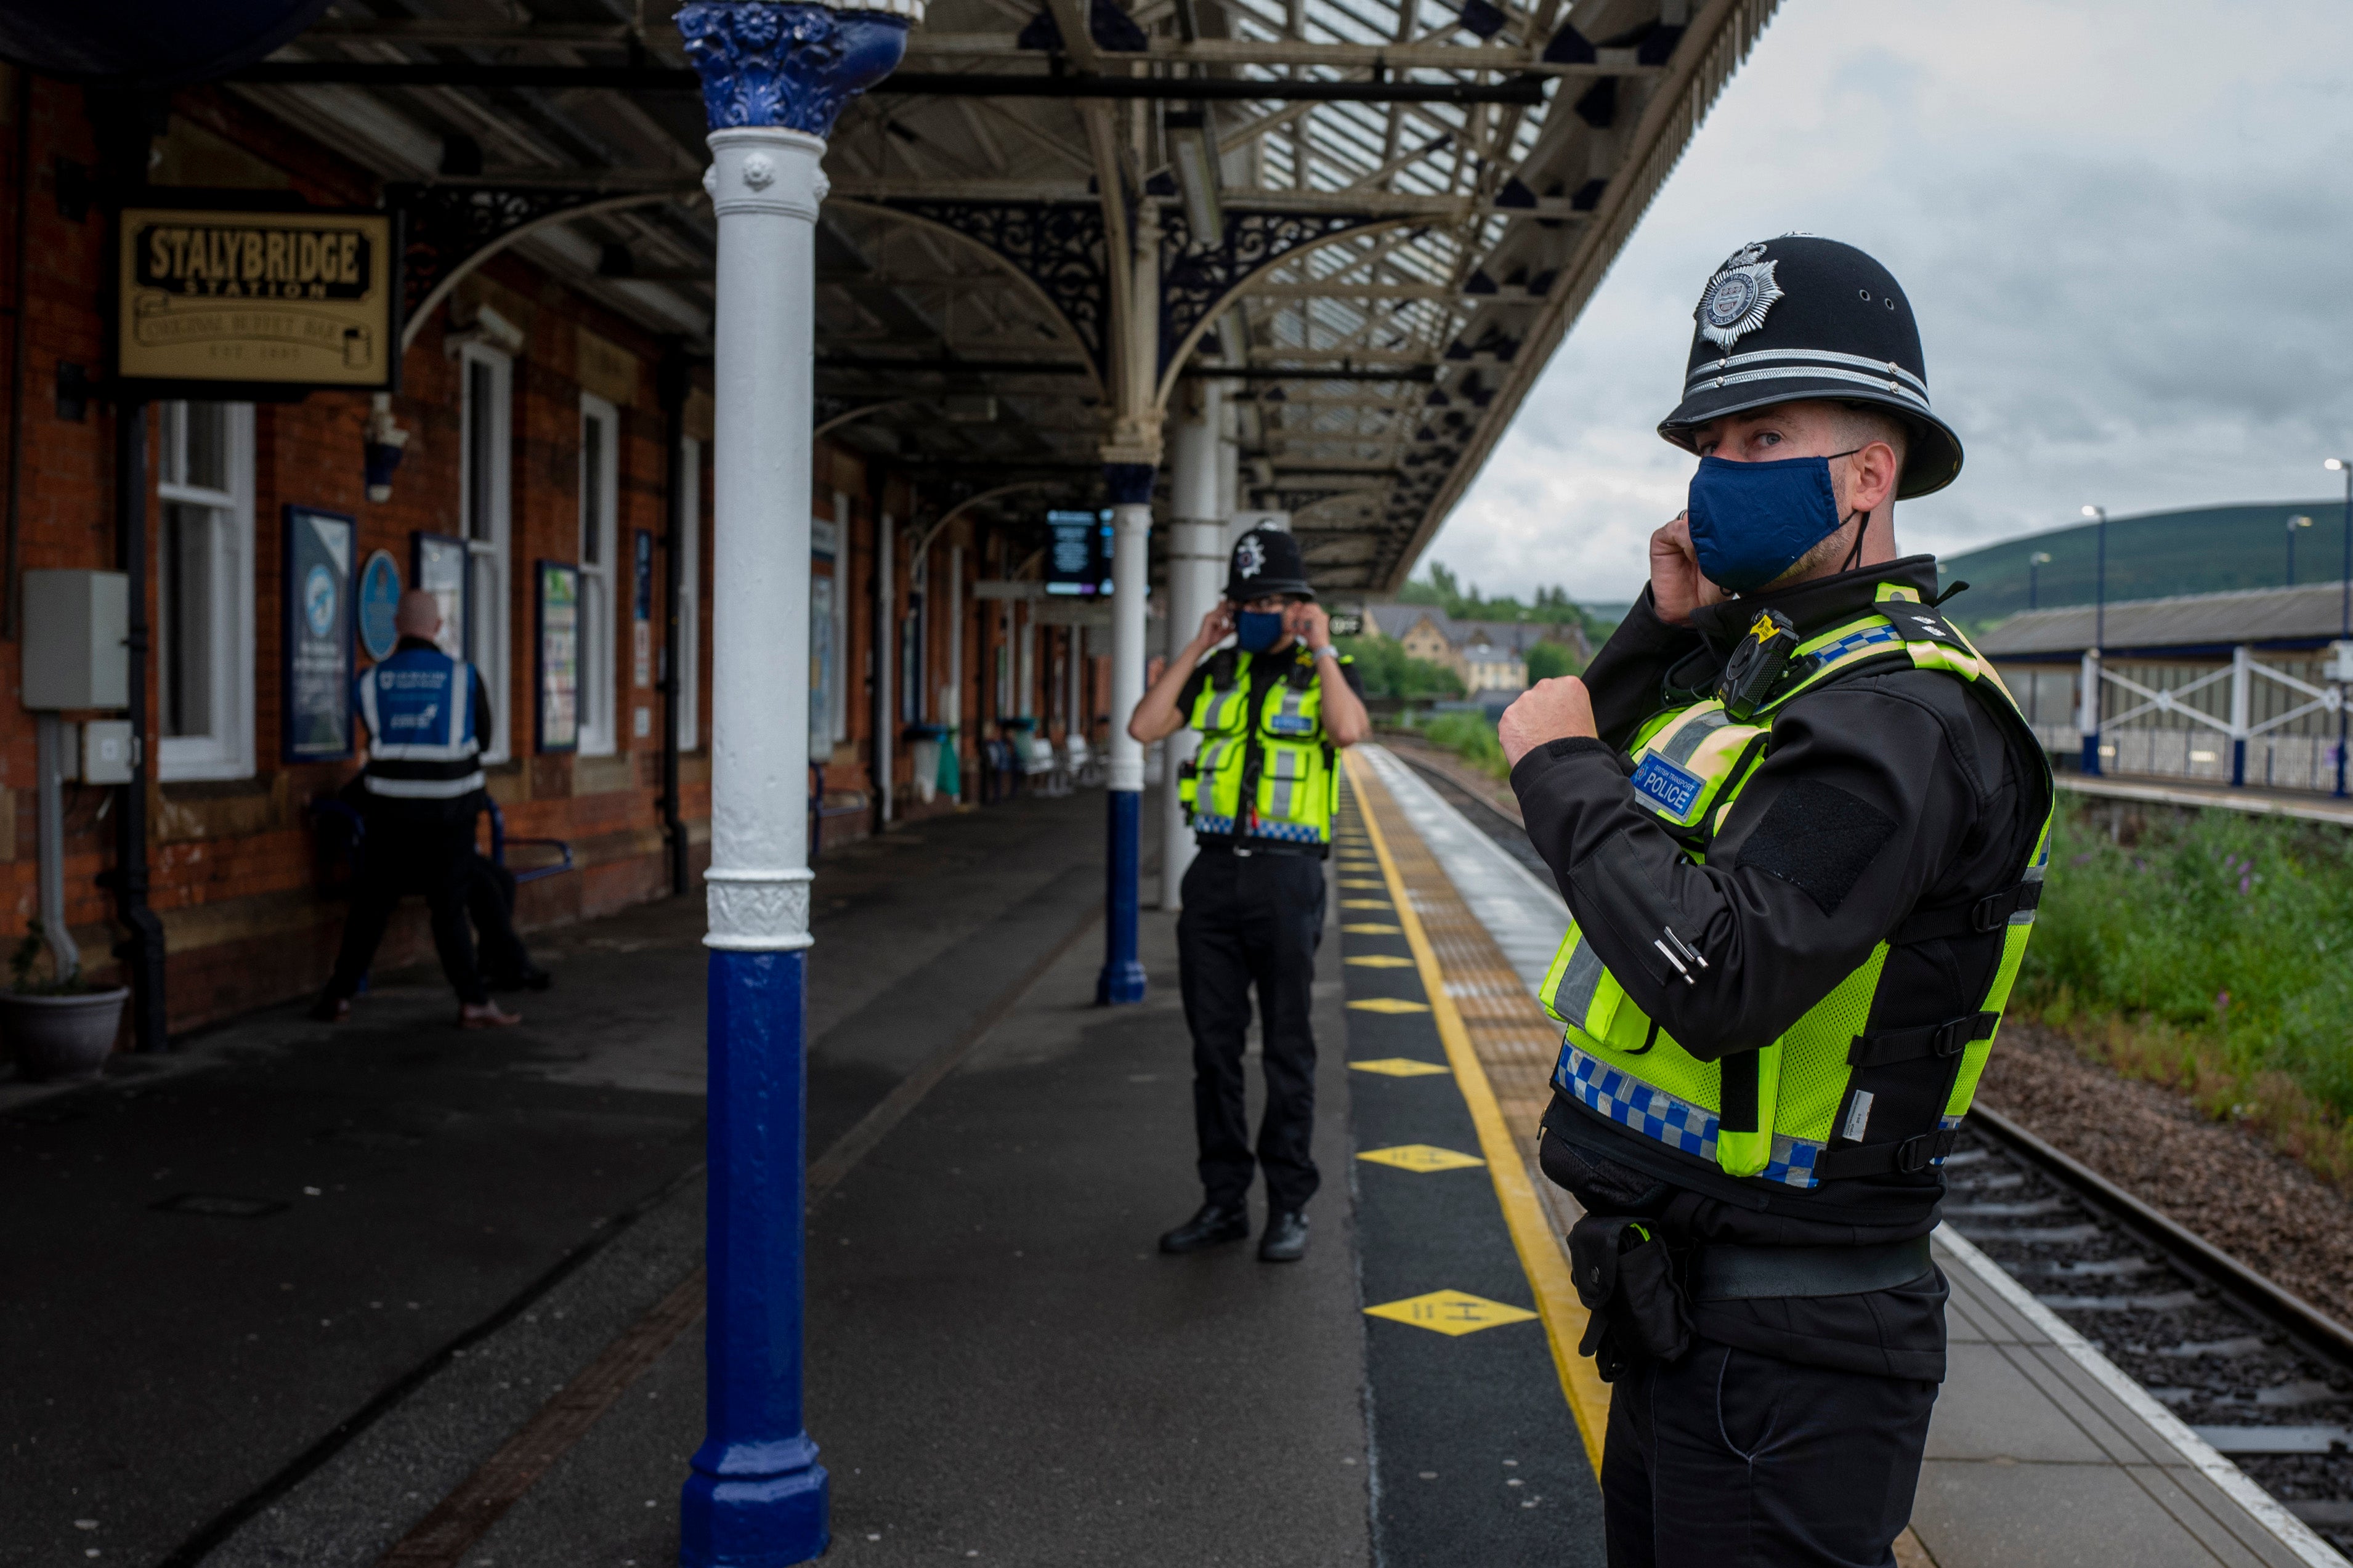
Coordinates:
1854	557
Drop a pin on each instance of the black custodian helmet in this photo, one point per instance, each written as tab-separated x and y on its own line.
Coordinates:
1797	318
1266	560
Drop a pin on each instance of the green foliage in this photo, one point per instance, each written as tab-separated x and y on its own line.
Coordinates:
1547	660
1470	736
1387	670
1552	606
2233	930
26	960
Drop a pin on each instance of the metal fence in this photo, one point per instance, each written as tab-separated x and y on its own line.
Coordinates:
2271	721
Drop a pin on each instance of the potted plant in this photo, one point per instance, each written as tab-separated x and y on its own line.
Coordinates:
60	1028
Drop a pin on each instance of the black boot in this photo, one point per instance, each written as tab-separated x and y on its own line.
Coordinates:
1216	1222
1285	1240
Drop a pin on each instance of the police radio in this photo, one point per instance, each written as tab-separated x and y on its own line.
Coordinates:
1755	666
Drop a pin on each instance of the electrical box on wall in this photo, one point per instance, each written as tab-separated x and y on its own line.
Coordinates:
2340	662
109	750
77	636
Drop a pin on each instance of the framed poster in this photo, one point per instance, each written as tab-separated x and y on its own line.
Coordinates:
226	297
379	602
438	565
318	635
559	656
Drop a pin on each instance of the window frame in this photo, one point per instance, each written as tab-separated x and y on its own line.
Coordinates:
489	642
600	598
227	751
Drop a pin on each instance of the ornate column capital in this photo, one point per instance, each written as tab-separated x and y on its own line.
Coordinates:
796	67
753	910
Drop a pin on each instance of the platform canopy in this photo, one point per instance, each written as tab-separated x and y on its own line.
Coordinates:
1374	218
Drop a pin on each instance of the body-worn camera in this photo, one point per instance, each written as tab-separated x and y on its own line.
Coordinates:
1755	666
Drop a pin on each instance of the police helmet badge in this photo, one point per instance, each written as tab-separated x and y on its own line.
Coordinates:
1249	556
1738	297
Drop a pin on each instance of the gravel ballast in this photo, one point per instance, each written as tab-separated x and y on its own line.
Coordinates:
2221	1180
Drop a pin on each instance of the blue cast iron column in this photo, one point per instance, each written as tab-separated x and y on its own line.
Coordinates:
1129	485
775	77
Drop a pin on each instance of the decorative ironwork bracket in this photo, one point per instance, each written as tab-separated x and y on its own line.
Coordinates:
1193	279
451	229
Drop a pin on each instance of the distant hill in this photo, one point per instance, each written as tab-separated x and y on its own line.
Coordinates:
2206	550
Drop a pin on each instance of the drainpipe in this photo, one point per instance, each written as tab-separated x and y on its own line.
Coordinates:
142	949
670	384
885	625
22	184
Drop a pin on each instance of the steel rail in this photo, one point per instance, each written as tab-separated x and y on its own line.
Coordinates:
2320	1335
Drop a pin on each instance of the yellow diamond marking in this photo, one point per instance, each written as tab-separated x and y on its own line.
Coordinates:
1369	928
1450	1312
1399	1067
1382	960
1390	1004
1420	1157
1364	903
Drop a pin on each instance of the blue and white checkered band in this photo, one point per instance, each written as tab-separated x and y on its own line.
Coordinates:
1676	1122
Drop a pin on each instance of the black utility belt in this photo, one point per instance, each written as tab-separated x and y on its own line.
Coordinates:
1640	1287
1230	844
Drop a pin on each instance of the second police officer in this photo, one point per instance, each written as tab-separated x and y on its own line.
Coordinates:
1272	711
1801	829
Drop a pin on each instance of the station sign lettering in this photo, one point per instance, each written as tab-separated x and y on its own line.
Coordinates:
280	300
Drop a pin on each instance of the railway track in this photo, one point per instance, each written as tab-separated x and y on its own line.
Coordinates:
2259	1374
2256	1371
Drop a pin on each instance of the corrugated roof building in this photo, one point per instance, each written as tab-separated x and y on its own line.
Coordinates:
2237	688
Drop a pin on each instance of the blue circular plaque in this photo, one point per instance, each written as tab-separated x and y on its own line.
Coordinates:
379	598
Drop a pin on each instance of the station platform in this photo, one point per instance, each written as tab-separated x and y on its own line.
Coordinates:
389	1294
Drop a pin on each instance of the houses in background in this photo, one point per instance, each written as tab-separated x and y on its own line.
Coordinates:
1488	655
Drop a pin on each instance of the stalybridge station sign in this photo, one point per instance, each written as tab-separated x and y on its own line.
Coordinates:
276	300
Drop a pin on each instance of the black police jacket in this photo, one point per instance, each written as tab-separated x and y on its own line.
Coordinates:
1939	808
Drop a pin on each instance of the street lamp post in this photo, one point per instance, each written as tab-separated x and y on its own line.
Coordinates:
2095	660
2299	520
775	77
2034	565
2344	620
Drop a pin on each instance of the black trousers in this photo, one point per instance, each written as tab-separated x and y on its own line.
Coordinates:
1252	920
491	901
413	850
1731	1459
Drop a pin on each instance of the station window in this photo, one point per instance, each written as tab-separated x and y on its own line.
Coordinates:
204	593
599	534
689	649
480	634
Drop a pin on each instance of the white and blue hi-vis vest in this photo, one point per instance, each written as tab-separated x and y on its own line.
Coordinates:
422	728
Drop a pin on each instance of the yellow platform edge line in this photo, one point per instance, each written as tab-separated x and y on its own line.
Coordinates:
1541	1257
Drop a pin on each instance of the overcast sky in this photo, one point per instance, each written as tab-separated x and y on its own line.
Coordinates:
2127	230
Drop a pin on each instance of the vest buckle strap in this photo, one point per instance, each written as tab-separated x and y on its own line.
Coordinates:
1889	1047
1912	1156
1993	911
1922	1149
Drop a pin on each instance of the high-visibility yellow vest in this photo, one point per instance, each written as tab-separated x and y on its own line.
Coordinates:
1265	776
1799	1110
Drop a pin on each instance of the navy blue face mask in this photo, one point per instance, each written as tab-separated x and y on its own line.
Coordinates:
1255	631
1752	521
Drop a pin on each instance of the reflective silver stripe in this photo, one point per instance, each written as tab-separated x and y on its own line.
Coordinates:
1687	739
1813	373
1292	699
425	789
1573	998
1220	705
1882	369
1285	767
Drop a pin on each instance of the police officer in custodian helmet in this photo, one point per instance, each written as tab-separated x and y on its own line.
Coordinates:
1272	711
1801	830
